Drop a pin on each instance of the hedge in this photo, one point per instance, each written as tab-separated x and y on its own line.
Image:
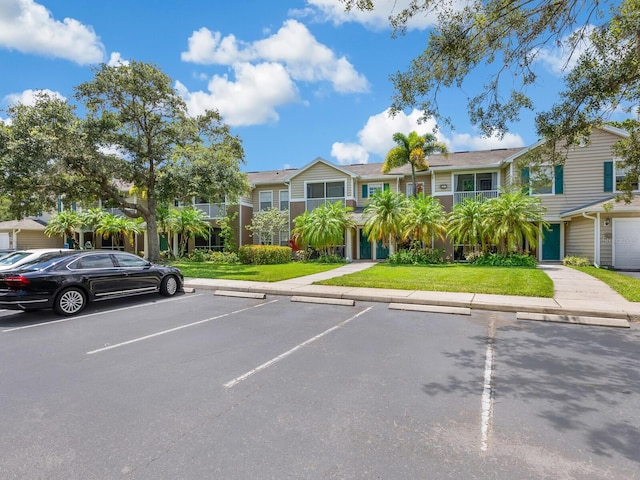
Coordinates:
264	254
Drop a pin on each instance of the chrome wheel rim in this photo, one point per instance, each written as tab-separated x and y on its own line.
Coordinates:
71	301
172	285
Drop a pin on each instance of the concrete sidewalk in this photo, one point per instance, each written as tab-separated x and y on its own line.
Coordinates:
576	294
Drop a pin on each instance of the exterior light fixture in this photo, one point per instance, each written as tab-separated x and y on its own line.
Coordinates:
443	186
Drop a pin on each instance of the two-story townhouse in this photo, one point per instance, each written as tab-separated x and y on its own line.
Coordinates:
584	218
582	215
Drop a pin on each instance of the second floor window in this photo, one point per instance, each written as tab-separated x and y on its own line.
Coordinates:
621	172
284	199
327	190
541	180
266	200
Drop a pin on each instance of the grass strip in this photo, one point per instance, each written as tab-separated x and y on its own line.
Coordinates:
626	286
256	273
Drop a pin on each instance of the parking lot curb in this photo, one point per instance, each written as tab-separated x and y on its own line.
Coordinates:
576	319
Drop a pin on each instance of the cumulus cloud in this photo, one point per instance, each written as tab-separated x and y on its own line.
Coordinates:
29	27
28	97
563	58
249	100
115	60
375	138
293	46
333	11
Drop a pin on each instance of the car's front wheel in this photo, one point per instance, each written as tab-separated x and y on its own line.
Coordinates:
70	301
169	286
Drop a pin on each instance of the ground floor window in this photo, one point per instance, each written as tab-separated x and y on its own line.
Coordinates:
213	242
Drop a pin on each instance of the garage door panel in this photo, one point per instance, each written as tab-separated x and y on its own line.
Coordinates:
626	242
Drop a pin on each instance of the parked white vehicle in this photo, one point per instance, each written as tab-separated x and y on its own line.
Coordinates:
22	257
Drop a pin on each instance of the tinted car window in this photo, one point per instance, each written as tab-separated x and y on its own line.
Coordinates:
41	263
92	261
13	258
130	260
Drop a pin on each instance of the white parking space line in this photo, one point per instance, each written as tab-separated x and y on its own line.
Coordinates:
265	365
181	327
487	397
80	317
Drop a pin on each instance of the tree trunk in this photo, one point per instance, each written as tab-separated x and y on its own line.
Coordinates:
153	243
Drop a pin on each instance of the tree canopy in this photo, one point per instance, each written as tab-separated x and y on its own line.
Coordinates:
508	38
135	132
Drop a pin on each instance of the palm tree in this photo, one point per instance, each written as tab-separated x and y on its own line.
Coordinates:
64	224
424	218
385	211
119	228
414	150
91	218
467	223
514	217
323	228
188	223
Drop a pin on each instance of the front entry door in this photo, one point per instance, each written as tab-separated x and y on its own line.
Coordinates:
551	243
382	252
365	246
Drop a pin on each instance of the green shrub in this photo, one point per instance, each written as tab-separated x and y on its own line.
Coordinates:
222	257
417	256
197	256
576	261
264	254
326	258
511	260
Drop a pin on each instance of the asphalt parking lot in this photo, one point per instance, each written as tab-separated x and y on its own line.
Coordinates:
199	386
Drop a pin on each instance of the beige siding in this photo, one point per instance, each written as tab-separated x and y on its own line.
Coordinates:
583	176
320	172
424	178
443	178
579	238
37	239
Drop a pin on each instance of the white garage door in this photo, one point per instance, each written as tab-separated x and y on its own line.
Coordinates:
626	242
4	240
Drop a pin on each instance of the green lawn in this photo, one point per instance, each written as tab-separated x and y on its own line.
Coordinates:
626	286
256	273
528	282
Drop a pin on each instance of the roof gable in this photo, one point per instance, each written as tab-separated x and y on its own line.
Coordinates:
317	161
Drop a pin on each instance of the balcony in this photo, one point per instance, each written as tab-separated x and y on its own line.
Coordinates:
211	210
459	197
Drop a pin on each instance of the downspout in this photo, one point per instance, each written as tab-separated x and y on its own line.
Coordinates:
596	237
14	239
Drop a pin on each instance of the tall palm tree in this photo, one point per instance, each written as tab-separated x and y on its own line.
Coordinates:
413	149
91	218
385	212
119	228
424	218
467	223
513	217
188	223
64	224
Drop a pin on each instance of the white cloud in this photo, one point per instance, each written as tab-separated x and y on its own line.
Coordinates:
115	60
564	58
28	97
30	28
5	121
249	100
293	46
375	138
378	19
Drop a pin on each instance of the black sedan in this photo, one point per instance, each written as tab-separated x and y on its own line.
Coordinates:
67	283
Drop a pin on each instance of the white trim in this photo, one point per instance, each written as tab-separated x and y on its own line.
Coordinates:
615	177
316	161
553	182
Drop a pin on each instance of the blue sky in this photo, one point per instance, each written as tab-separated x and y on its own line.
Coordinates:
296	79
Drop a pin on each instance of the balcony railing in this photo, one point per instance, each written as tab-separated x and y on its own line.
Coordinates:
459	197
211	210
313	203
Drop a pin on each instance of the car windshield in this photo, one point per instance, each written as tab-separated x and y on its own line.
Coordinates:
13	258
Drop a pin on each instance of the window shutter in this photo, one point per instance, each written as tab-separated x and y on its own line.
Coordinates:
385	187
559	174
365	191
525	180
608	176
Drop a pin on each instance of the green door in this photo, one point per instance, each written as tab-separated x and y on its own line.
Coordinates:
382	252
365	247
551	243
